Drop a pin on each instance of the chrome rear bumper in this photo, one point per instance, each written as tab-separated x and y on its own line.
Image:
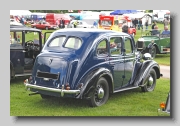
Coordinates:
62	91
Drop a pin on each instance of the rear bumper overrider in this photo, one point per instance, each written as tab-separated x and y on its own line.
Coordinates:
62	91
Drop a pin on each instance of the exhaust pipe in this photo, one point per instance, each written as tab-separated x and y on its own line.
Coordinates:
33	93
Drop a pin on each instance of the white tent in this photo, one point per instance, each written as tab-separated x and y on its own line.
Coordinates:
142	16
91	18
20	12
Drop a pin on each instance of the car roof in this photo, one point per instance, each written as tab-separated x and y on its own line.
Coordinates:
22	28
92	30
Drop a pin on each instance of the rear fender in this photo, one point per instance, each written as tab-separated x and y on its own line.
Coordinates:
146	67
90	81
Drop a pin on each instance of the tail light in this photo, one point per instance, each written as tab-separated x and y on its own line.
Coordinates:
162	105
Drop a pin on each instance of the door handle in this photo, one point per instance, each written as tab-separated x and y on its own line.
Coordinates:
23	51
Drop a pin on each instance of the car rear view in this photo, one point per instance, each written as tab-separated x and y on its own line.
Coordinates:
52	68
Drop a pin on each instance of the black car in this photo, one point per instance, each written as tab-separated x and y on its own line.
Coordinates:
25	45
91	64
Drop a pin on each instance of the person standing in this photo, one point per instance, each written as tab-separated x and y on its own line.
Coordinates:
95	24
75	24
135	22
140	24
61	23
154	24
166	22
146	24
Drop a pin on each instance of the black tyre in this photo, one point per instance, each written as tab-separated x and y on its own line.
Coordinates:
153	52
149	82
45	96
46	28
100	94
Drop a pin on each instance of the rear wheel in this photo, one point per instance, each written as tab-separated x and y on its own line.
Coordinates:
46	28
100	94
149	82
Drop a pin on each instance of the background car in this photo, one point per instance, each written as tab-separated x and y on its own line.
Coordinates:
160	20
81	24
23	49
43	25
14	22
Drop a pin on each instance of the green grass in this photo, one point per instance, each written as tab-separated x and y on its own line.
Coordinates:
127	103
163	59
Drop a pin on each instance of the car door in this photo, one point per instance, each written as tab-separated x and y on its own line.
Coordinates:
129	58
16	52
116	60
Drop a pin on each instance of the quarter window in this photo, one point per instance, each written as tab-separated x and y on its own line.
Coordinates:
73	42
102	48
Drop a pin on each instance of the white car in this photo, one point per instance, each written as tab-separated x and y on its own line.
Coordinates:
81	24
14	22
160	20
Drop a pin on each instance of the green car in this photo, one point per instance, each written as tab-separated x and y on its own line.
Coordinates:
153	44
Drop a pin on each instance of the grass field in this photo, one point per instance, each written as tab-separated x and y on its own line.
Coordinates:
127	103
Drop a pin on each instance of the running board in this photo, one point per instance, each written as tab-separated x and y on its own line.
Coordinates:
124	89
20	75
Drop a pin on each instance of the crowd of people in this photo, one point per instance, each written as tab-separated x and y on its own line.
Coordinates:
137	23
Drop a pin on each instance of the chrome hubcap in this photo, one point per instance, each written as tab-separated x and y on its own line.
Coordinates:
151	80
100	93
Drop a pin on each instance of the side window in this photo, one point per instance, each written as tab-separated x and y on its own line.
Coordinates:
127	45
15	37
16	40
115	45
57	41
102	48
73	42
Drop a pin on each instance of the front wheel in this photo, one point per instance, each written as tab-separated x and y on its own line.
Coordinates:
149	82
46	28
100	94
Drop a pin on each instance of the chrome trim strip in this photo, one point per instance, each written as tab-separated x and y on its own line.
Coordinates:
125	89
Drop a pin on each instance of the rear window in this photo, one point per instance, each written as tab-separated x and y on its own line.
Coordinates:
71	42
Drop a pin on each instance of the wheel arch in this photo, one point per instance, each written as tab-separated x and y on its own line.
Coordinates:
91	79
146	67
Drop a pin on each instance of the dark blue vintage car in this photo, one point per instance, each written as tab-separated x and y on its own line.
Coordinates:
25	45
90	64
